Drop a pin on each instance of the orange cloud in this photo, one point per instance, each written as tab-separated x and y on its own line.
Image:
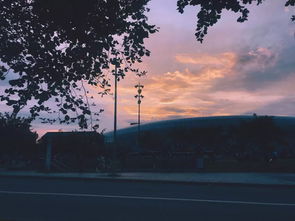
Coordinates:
179	93
227	59
246	97
150	113
189	91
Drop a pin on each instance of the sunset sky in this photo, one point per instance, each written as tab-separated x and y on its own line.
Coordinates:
241	68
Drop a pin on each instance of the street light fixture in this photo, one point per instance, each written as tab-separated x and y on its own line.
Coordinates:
116	75
139	97
115	103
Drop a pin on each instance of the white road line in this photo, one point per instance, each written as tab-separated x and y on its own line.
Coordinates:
148	198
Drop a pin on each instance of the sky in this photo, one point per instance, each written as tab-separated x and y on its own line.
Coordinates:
241	68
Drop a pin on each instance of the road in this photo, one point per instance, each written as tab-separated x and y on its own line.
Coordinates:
35	199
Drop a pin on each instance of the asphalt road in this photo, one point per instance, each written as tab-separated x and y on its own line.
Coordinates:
35	199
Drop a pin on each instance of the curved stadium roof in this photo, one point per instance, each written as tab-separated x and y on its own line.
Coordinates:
197	122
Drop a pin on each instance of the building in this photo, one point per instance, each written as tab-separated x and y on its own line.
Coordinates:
71	150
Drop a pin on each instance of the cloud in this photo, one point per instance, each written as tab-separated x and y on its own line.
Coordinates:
258	58
182	93
284	106
257	69
226	59
217	84
161	112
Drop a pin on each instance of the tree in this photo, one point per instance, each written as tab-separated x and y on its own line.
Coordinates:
260	135
211	10
50	49
16	136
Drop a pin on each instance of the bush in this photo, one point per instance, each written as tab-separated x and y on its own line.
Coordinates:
17	139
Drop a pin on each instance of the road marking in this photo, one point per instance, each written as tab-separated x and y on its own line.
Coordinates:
148	198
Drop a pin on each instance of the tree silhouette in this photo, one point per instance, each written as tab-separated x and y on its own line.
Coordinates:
260	135
48	49
211	10
16	137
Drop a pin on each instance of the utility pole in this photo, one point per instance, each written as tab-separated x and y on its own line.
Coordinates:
115	121
139	97
115	104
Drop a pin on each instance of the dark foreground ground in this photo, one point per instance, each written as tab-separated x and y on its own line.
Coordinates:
36	199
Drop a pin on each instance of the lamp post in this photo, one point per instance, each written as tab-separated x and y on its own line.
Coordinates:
113	173
115	104
139	97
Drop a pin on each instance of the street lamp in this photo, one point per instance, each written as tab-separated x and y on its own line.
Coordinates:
116	75
115	104
139	97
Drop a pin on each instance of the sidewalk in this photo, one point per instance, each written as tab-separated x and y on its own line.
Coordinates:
272	179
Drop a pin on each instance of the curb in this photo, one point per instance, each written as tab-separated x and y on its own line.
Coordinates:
138	180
